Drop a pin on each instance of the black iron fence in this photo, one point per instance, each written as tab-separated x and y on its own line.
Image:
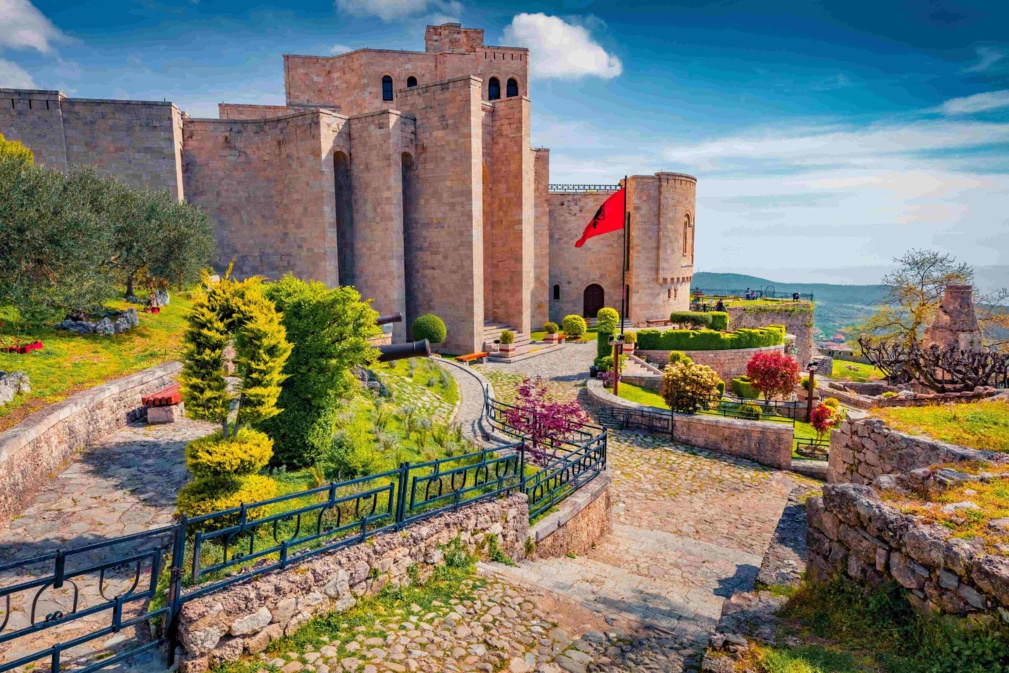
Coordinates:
142	581
814	449
704	293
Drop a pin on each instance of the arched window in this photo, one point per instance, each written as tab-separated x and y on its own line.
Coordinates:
513	88
411	82
387	88
494	89
557	291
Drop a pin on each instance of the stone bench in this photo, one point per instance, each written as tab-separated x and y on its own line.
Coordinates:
165	405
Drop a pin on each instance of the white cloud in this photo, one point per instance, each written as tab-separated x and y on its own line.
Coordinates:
340	49
987	57
13	77
22	26
391	10
558	49
981	102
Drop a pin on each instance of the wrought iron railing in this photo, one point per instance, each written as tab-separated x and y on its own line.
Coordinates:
768	292
814	449
201	555
629	418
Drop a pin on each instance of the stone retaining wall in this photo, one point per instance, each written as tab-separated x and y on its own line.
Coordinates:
864	449
852	531
870	395
246	617
729	364
40	446
794	317
762	442
578	522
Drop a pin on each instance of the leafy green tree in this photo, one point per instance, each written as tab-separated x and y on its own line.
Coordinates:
54	248
330	330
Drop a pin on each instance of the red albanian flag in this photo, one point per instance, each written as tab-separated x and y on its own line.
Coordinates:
609	217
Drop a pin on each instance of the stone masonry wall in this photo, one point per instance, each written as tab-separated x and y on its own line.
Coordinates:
853	532
541	245
578	522
864	449
798	323
446	251
765	443
245	618
36	120
728	364
38	447
574	269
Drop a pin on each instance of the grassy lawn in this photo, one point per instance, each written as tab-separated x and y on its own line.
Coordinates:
978	425
70	363
629	391
591	335
855	371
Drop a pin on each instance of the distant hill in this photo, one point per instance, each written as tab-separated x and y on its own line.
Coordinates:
837	306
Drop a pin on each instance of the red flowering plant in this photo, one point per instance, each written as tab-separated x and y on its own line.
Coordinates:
545	421
773	374
822	418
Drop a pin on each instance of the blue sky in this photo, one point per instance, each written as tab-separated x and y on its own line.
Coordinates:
828	137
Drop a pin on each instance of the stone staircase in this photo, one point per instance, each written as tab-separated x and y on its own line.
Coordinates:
524	346
634	368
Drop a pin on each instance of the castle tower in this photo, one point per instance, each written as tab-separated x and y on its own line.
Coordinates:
955	324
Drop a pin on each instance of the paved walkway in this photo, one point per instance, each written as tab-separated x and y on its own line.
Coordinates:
690	529
471	397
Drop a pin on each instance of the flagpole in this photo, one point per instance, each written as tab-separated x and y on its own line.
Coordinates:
623	267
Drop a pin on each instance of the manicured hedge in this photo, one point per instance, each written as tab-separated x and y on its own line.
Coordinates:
741	387
710	340
716	320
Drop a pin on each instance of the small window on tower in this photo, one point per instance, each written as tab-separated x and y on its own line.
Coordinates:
513	88
557	291
494	89
411	81
387	88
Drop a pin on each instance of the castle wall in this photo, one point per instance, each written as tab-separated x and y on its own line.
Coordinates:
377	187
574	269
487	132
138	142
511	224
266	189
240	111
447	276
541	238
36	120
660	273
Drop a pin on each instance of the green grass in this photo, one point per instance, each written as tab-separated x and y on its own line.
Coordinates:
977	425
855	371
629	391
846	627
591	335
426	373
70	363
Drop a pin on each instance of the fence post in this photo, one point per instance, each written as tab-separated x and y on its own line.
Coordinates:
522	466
175	588
404	474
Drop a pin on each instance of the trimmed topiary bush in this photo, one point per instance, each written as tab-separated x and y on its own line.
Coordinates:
631	338
742	387
749	410
574	326
805	384
719	320
215	456
707	340
690	318
507	337
430	327
609	320
679	356
220	493
550	328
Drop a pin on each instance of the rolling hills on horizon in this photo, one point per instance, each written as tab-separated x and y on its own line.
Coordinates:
838	307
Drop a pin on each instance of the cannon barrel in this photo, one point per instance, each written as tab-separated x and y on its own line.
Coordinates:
417	349
389	319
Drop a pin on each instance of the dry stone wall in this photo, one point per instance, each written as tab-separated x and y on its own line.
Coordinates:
246	617
38	447
728	364
862	450
853	532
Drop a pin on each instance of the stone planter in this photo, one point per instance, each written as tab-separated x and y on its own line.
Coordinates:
507	350
552	338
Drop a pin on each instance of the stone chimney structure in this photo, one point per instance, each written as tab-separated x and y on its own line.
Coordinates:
956	322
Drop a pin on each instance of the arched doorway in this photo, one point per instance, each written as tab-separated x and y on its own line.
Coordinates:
594	299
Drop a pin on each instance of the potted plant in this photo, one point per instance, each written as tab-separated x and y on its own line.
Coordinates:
804	392
507	343
630	338
551	335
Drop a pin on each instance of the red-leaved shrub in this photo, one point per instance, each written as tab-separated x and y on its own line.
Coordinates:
773	374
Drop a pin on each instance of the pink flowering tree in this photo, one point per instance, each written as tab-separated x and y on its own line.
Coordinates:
542	419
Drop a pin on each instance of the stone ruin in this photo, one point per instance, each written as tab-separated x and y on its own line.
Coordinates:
956	322
107	326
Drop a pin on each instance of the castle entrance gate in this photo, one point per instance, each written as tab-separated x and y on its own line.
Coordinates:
594	299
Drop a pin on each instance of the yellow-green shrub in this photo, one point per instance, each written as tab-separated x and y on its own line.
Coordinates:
206	496
215	456
574	325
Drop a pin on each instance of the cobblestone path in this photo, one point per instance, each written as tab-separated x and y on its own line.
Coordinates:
122	485
690	529
471	397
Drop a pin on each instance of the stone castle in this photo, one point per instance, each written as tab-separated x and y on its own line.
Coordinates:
406	174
